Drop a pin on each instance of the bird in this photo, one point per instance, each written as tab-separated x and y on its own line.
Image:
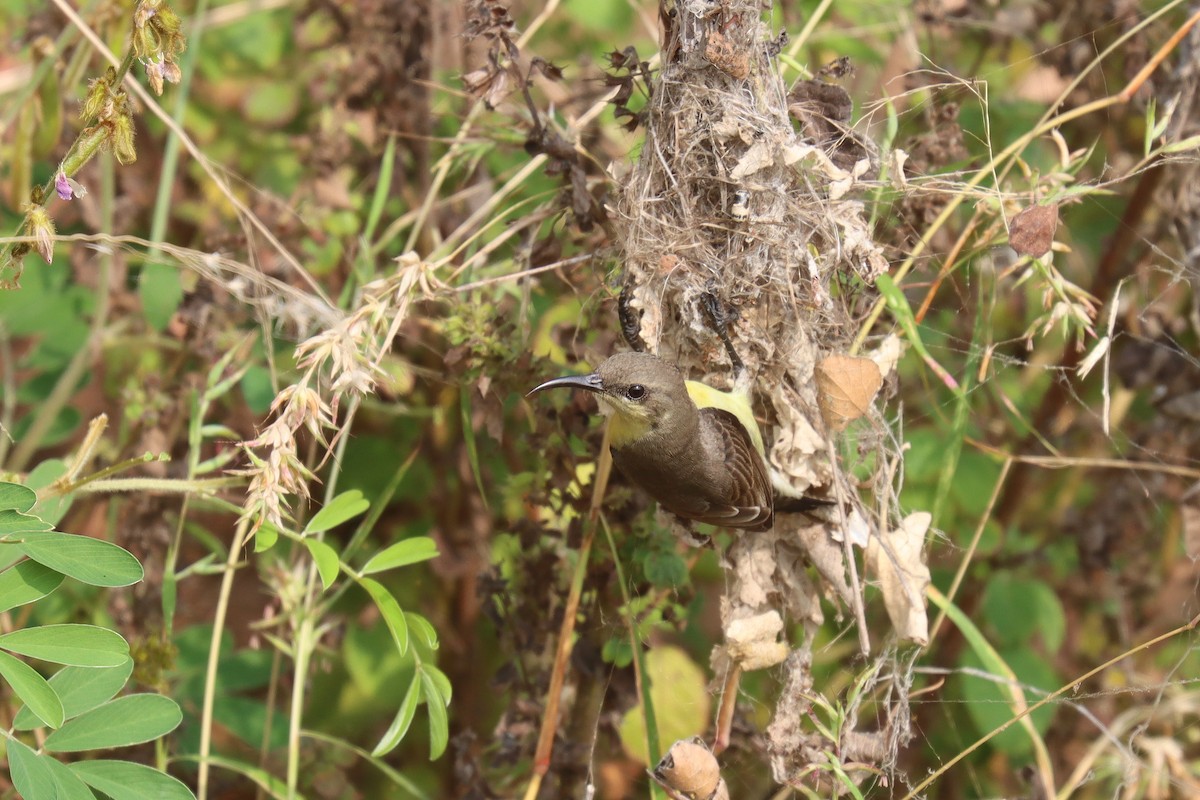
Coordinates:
695	449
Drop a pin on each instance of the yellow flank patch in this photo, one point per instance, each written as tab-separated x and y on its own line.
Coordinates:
705	396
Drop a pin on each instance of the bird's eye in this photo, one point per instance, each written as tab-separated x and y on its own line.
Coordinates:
636	392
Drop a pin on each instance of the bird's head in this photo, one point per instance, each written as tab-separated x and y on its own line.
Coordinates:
641	392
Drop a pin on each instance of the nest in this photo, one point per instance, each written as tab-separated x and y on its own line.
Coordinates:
729	199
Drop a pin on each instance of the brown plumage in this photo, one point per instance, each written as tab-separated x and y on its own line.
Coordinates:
699	463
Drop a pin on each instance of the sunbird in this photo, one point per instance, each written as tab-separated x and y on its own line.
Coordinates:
693	448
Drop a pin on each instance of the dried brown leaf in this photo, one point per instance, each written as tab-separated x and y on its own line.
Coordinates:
1031	232
846	385
725	56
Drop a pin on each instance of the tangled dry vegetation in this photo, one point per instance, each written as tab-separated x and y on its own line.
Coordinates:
729	198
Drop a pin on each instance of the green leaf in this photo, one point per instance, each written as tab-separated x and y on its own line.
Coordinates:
618	651
665	570
161	291
16	497
1182	146
70	787
678	700
14	523
404	717
982	694
266	538
30	774
327	561
401	554
80	645
469	440
382	190
26	582
1018	608
81	689
393	615
440	680
897	303
128	781
132	719
424	630
35	692
439	723
989	702
91	561
51	508
346	505
264	779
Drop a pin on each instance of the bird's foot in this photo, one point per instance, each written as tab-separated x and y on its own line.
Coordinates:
719	316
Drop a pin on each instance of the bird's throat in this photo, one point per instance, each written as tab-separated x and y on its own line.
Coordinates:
625	429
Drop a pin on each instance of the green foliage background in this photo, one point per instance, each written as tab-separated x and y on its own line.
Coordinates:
402	646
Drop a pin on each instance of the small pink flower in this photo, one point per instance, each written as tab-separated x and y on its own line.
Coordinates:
68	188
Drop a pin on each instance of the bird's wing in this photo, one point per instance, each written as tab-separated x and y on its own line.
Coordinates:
750	497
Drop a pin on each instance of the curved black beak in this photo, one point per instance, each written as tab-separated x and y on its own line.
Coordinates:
591	383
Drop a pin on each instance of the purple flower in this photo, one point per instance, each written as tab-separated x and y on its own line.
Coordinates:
68	188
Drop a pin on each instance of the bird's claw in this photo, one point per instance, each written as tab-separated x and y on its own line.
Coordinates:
631	320
719	316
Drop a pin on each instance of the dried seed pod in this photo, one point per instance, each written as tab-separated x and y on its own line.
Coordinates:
690	769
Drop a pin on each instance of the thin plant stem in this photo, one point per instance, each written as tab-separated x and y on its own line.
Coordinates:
939	599
241	536
170	158
639	659
545	742
307	633
48	410
302	647
1046	124
972	547
205	163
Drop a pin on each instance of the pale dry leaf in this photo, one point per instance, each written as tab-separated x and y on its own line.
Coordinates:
753	558
1093	358
896	173
898	563
856	525
828	557
1191	531
801	600
797	151
846	386
858	241
794	453
843	183
651	312
753	642
759	156
887	354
